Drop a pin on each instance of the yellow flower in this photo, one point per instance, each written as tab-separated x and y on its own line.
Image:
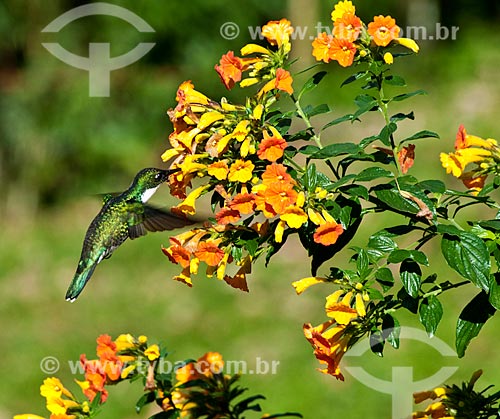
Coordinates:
278	33
254	48
208	118
171	153
315	217
53	388
241	171
294	216
388	58
278	232
123	342
408	43
341	8
152	352
218	170
60	406
188	205
126	371
142	339
27	416
302	284
451	164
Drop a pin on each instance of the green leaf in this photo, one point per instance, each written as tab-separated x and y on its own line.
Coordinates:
365	104
468	255
386	132
494	296
377	342
312	83
434	186
391	330
344	118
411	276
404	96
310	181
146	398
399	255
334	150
373	173
402	116
393	199
382	243
317	110
394	80
430	314
251	246
354	77
471	320
308	150
362	263
419	135
407	301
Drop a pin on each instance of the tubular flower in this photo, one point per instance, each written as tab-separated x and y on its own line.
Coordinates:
383	29
454	401
330	342
470	149
188	205
230	69
344	306
209	253
302	284
328	233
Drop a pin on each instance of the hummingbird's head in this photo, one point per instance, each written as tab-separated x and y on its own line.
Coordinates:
148	180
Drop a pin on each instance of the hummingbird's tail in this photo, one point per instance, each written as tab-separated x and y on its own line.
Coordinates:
81	278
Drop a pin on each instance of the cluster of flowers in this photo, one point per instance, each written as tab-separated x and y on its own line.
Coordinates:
469	149
243	156
353	41
346	309
125	358
452	401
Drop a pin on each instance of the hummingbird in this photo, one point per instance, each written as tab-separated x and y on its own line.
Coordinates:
123	216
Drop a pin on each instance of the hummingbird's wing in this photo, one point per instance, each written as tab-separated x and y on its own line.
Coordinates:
155	219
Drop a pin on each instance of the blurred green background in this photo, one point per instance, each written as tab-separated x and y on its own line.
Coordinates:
59	148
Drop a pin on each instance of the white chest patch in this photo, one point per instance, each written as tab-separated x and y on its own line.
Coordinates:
148	193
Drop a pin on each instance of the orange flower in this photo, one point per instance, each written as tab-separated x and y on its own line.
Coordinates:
227	216
475	183
230	69
280	196
330	345
177	254
271	148
244	203
328	233
383	29
343	51
348	27
284	81
276	173
461	138
277	32
406	157
95	378
322	47
210	363
106	348
209	253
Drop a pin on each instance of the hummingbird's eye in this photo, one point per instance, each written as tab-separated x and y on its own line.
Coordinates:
158	176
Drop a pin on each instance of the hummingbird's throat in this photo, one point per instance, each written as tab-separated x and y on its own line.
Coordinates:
148	193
